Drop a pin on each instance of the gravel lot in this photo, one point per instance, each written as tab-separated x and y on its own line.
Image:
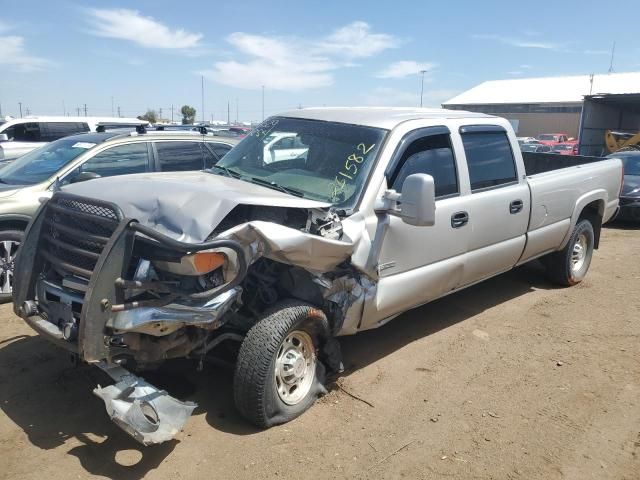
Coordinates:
510	379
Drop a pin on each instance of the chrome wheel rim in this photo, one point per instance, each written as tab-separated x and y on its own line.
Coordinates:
579	253
8	249
295	367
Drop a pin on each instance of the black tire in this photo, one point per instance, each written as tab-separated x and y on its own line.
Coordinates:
560	265
255	387
7	236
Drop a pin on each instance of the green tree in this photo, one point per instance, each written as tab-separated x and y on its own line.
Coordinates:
151	116
188	114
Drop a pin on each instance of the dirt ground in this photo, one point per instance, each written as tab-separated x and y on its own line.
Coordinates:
510	379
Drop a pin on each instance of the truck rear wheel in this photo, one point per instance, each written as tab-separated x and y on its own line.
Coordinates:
569	266
278	375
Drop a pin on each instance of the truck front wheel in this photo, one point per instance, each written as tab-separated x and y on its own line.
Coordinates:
569	266
278	375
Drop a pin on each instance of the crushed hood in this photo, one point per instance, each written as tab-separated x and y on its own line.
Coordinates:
184	205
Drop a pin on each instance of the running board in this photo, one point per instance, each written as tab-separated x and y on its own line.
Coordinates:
146	413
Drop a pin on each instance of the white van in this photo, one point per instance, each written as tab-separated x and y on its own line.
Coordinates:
21	135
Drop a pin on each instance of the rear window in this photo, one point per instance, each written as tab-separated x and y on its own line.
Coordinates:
489	158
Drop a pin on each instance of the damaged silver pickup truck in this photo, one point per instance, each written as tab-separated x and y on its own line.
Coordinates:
363	214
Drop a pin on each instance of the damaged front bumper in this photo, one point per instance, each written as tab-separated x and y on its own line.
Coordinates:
68	287
143	411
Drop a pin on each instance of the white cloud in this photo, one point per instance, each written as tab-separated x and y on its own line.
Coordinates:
357	41
296	64
275	63
405	68
515	42
130	25
14	56
391	97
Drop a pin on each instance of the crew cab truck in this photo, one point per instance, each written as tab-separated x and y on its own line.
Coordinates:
383	210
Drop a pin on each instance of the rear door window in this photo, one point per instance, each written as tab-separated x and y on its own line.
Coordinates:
489	158
183	156
51	131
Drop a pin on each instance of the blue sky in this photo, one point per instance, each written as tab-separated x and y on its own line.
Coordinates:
151	54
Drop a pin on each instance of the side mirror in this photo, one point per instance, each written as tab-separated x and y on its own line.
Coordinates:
4	137
84	176
418	200
415	205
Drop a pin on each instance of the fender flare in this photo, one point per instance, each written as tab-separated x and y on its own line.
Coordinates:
600	195
15	217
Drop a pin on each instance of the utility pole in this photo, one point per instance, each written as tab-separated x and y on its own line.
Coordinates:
202	98
85	109
118	111
20	104
613	52
228	112
160	113
64	109
422	72
28	112
263	103
237	109
172	113
78	110
112	113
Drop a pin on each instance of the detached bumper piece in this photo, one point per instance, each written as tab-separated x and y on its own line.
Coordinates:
143	411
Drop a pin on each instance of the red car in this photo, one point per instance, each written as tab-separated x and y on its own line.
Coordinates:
553	138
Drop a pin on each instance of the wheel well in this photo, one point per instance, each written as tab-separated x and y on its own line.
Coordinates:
14	225
593	212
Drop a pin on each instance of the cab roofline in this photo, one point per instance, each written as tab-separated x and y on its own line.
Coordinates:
378	117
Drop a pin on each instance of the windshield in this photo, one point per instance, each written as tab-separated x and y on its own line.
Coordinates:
558	148
319	160
529	147
42	163
547	137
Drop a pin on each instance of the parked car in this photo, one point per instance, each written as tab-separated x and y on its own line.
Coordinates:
21	135
565	148
552	138
535	147
523	140
387	210
630	194
78	158
283	146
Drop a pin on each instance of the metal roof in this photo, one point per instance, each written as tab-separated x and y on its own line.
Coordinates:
379	117
547	89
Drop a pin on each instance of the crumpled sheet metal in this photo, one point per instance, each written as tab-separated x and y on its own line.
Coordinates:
290	246
350	293
186	206
160	321
146	413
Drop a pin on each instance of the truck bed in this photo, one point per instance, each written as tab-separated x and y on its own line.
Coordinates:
546	162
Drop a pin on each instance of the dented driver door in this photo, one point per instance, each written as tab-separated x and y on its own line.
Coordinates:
419	264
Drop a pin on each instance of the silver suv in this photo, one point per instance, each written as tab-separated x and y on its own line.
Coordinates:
78	158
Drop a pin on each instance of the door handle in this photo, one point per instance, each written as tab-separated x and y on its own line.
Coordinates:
516	206
459	219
